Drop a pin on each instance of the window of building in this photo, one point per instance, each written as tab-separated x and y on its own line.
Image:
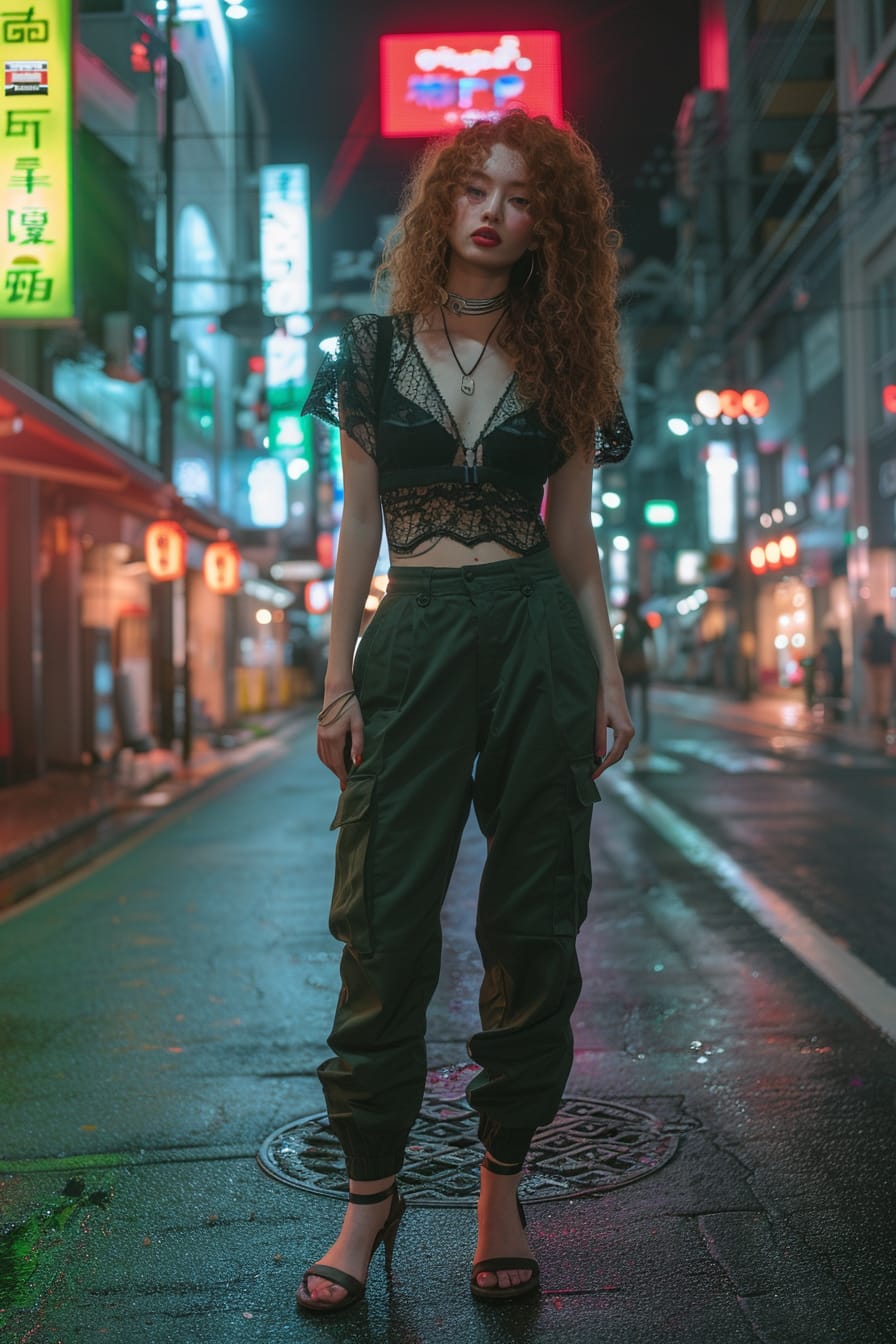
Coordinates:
883	346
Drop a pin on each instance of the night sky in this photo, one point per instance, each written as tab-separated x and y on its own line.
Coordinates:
626	66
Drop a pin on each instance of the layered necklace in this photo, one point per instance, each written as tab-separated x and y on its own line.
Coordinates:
456	303
467	382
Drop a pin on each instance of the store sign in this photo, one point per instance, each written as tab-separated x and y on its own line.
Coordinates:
431	83
36	282
267	493
721	493
285	239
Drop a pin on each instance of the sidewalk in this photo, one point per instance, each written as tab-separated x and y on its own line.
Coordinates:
764	713
50	825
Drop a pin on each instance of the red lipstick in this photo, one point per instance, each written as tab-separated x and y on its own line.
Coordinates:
486	237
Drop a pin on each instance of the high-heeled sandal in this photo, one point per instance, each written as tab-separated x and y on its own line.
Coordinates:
492	1266
354	1289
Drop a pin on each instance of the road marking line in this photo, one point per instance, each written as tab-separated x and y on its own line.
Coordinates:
858	984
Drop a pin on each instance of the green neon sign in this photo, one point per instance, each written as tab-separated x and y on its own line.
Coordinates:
661	512
36	253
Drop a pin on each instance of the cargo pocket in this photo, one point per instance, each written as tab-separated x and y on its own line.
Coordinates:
573	881
349	918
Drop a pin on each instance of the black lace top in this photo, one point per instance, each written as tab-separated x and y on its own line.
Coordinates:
380	391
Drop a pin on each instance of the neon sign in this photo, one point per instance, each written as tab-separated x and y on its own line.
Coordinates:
36	285
285	239
433	83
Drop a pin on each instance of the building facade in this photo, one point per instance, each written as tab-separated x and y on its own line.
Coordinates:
785	195
91	649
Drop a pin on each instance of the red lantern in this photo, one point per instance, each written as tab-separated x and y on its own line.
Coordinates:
166	550
889	397
325	552
731	403
789	549
221	567
758	562
755	403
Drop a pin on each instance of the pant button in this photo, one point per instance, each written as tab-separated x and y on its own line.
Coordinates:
468	576
422	600
526	590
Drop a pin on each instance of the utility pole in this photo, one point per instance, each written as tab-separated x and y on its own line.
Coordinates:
166	381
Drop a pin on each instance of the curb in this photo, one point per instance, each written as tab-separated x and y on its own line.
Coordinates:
60	852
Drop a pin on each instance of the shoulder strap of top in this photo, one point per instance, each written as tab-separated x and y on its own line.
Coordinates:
381	363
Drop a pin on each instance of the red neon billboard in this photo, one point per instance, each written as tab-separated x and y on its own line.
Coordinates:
433	83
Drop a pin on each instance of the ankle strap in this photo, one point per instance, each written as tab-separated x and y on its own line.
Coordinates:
376	1198
500	1169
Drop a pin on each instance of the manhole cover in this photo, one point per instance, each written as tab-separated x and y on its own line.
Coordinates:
591	1146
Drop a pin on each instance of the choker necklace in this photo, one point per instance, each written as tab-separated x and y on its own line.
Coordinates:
462	307
467	385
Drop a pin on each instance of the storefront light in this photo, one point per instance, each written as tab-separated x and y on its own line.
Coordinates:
757	559
610	499
773	553
237	12
777	515
678	426
862	533
621	543
781	641
788	547
297	468
798	641
790	508
597	519
263	616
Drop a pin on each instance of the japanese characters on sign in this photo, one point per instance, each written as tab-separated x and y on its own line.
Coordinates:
36	282
433	83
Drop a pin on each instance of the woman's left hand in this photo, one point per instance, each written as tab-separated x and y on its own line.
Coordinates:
612	712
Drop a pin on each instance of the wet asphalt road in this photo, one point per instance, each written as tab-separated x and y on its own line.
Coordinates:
164	1011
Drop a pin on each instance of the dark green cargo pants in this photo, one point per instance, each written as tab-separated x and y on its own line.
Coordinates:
476	684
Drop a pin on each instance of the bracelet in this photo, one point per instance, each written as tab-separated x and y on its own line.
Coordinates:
343	701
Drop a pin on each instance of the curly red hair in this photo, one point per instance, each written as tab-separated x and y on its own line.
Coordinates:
563	329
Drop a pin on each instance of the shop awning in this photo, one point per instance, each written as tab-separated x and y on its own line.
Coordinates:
41	440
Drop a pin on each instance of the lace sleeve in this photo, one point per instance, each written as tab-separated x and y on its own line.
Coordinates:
343	391
613	440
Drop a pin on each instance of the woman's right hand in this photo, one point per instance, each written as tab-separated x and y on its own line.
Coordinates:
342	742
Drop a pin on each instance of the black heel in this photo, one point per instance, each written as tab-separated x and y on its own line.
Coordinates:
533	1283
354	1289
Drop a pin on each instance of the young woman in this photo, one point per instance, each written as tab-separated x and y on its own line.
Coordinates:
488	674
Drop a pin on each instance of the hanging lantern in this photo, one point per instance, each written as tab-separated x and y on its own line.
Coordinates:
221	567
166	550
731	403
755	403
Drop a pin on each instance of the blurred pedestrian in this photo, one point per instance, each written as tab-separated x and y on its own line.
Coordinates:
878	653
488	673
830	660
831	656
634	663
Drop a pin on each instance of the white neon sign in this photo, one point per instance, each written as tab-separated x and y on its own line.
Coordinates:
285	239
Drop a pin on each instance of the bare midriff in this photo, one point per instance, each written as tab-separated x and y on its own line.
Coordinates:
450	554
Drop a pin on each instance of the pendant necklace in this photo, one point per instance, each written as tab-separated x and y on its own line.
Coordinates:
467	383
456	303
